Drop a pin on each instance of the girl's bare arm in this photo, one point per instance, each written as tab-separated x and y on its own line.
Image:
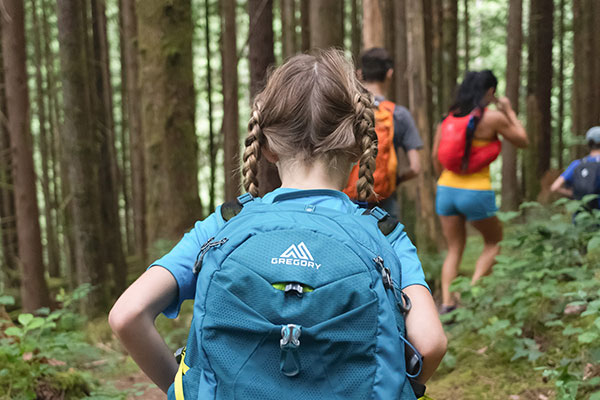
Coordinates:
132	320
509	126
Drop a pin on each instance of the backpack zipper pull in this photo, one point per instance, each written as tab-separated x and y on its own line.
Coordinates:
402	301
204	249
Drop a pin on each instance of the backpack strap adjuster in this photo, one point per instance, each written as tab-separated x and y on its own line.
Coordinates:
245	198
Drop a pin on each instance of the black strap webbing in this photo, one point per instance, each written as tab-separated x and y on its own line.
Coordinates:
386	225
230	209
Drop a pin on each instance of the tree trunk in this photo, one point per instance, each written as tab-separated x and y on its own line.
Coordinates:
326	24
372	24
34	292
467	31
449	51
212	150
134	121
561	84
539	85
510	186
80	149
8	225
261	57
105	127
428	232
165	40
400	64
230	128
52	249
586	72
305	24
356	30
288	28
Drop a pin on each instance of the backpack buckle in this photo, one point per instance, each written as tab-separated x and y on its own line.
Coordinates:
290	359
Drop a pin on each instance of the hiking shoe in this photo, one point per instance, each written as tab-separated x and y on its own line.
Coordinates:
446	309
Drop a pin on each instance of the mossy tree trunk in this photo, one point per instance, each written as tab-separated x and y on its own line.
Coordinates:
165	32
34	291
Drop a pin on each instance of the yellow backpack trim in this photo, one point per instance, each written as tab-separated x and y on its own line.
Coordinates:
179	377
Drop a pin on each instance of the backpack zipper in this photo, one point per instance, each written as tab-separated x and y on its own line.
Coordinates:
204	249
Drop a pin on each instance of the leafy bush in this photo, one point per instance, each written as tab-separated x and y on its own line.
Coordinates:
542	301
38	353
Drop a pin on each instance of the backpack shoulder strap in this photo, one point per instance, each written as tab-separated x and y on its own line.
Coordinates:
232	208
385	222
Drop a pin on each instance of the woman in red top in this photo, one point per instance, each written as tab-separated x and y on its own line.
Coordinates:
464	146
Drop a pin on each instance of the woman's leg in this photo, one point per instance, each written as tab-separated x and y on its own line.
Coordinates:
454	231
491	230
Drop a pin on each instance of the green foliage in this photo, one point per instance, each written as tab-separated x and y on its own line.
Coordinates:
40	353
541	303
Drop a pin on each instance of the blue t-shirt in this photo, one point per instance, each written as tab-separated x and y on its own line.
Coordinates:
180	260
568	174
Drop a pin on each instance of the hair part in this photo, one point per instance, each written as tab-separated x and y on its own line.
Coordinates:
313	107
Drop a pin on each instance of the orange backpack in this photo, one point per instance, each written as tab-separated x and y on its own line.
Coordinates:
386	163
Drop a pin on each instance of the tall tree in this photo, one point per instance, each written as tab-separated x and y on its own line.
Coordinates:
561	83
427	230
449	64
261	57
466	32
372	24
539	86
52	249
230	129
80	150
586	73
305	24
514	41
105	128
326	23
165	32
212	148
8	224
400	64
356	29
34	292
288	27
134	124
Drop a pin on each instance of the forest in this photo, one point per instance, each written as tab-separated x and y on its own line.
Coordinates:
122	123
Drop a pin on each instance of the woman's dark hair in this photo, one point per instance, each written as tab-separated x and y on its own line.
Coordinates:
469	99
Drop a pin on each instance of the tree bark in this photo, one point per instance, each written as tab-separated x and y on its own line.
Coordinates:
356	30
8	224
134	121
326	24
109	173
586	72
510	186
428	232
449	49
539	86
288	27
372	24
305	24
165	40
400	64
262	57
561	83
34	292
467	31
212	150
230	128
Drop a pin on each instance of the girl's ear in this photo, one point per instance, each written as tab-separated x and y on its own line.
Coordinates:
269	155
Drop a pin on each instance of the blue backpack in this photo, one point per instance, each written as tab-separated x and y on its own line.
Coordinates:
296	301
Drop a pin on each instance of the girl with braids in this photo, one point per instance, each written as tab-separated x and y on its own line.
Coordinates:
466	142
313	120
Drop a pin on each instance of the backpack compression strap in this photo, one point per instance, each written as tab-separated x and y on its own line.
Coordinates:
385	222
232	208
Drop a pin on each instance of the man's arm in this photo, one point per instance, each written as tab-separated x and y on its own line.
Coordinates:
558	186
414	165
407	139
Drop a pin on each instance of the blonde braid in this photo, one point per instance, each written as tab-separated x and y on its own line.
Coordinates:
252	152
365	134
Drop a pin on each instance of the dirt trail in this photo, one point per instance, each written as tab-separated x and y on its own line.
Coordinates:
140	382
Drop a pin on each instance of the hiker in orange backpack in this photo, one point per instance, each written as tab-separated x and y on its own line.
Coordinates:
465	144
396	131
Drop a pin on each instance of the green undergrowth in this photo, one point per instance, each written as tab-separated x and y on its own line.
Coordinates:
532	328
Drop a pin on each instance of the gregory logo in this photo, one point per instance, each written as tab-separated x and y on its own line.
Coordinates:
296	255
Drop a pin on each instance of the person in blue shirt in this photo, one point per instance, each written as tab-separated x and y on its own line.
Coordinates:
582	176
313	121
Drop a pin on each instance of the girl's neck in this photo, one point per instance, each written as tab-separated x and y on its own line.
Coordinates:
595	153
317	175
